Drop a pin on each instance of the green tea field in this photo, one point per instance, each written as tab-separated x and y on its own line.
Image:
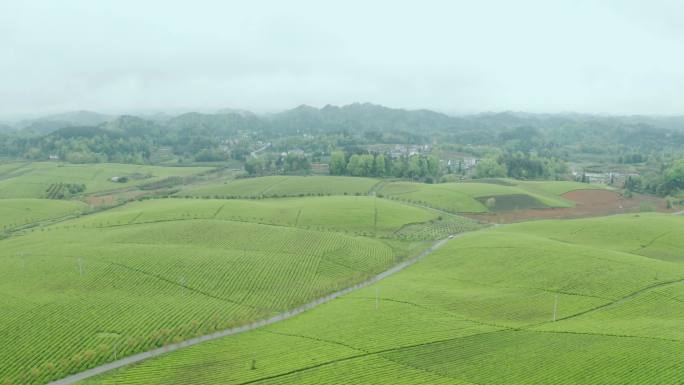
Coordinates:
565	302
39	179
82	288
15	213
488	196
280	186
87	290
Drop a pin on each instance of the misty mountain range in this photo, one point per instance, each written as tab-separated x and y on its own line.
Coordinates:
356	117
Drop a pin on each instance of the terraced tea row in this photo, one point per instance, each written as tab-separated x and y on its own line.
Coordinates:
19	212
362	215
280	186
156	271
76	295
479	310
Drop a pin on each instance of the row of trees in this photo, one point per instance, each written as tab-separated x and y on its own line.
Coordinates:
382	165
521	165
290	164
670	181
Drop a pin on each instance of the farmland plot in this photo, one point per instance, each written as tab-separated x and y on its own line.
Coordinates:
361	215
84	291
280	186
507	305
33	180
77	296
18	212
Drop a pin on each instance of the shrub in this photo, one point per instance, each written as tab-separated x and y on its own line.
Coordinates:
669	202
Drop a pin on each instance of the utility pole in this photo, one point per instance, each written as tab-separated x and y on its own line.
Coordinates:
555	306
80	266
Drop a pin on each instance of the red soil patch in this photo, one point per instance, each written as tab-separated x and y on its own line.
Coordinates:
589	203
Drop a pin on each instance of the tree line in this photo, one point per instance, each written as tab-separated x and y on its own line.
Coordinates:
668	181
292	163
519	165
417	167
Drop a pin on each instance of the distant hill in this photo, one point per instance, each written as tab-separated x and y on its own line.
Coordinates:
359	117
82	132
132	126
224	111
214	124
47	124
356	117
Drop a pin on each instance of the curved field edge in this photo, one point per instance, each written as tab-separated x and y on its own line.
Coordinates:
480	321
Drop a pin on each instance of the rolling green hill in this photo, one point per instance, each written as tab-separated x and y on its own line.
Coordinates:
32	180
86	290
531	303
359	215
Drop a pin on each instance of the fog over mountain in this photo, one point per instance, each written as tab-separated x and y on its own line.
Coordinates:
611	57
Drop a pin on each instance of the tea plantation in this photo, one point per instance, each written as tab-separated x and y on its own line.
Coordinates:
562	302
85	291
15	213
34	180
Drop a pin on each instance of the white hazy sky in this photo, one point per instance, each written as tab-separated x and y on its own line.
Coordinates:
619	57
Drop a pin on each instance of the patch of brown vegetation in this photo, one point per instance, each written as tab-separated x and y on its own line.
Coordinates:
589	203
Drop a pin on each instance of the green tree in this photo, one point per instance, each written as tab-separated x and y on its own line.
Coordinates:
338	164
432	166
490	168
355	165
367	164
674	177
632	184
413	170
254	166
400	167
379	165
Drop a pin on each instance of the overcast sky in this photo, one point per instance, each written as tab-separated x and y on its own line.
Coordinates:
617	57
